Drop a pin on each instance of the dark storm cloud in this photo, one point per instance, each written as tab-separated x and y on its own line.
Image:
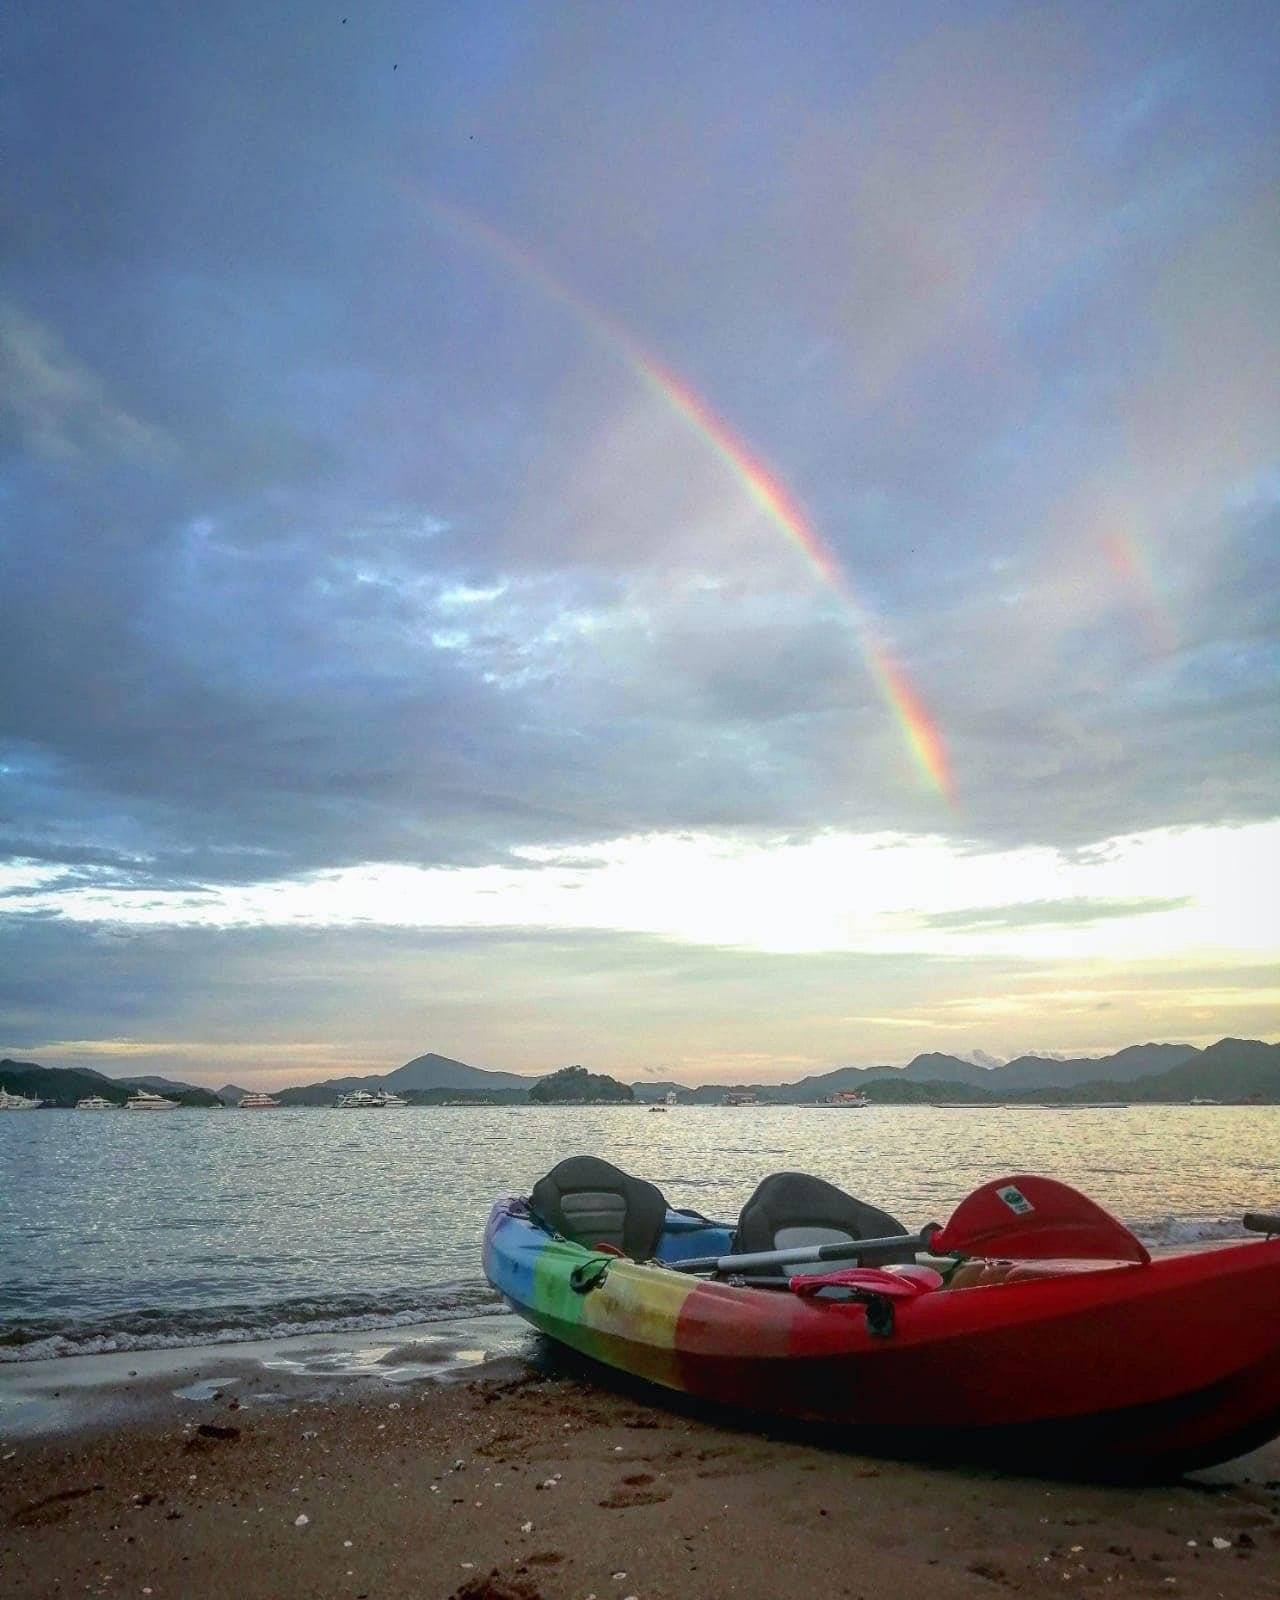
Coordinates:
329	536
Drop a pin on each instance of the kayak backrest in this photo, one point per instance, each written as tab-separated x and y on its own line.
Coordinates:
795	1208
593	1202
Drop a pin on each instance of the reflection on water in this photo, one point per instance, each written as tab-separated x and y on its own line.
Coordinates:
126	1230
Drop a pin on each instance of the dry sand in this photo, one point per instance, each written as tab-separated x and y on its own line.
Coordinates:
527	1482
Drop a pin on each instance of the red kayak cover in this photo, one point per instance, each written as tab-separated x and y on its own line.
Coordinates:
895	1283
1026	1218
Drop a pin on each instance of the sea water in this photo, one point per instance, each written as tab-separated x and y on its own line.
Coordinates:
122	1231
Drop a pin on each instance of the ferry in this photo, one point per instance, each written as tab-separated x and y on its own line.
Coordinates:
95	1102
144	1100
18	1102
846	1100
258	1102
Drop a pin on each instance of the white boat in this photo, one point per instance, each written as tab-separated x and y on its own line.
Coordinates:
258	1102
144	1100
95	1102
846	1100
363	1100
18	1102
737	1097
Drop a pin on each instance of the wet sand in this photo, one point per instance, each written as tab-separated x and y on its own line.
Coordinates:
340	1468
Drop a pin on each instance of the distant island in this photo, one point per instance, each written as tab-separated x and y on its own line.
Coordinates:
577	1086
1237	1071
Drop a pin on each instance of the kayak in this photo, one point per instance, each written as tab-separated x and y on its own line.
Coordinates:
1131	1366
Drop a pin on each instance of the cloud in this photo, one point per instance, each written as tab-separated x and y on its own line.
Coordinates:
1050	913
332	540
61	408
298	1005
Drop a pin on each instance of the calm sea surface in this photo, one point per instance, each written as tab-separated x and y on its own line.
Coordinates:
121	1230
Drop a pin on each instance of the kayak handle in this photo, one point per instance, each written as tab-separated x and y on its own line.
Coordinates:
1262	1221
840	1250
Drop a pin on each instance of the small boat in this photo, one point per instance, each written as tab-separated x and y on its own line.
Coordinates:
738	1097
1033	1329
19	1102
258	1102
845	1100
95	1102
144	1100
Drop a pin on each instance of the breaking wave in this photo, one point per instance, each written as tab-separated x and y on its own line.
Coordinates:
43	1339
1170	1230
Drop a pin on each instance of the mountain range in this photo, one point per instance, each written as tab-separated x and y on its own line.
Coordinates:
1231	1069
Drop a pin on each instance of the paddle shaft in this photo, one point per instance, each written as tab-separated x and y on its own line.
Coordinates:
839	1250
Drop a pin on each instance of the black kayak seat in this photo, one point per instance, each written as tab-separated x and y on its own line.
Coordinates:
790	1209
593	1202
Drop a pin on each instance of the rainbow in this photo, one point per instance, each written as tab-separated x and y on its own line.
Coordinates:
921	731
1128	561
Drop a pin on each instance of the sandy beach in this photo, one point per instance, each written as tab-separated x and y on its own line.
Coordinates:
468	1463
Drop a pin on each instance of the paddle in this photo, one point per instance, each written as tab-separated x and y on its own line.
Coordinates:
839	1250
1024	1218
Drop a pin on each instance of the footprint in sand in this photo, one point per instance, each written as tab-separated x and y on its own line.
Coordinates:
635	1490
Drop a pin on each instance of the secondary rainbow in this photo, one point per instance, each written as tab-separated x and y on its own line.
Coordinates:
924	739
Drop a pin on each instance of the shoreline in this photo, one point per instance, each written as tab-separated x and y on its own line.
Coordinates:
74	1395
470	1461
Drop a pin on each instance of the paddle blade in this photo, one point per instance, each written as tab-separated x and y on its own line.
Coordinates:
1036	1219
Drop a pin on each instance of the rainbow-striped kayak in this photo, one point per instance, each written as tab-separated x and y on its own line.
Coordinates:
1123	1367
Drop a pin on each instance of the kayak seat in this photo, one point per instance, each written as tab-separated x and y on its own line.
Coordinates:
593	1202
789	1209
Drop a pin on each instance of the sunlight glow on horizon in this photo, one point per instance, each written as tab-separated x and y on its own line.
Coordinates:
1179	892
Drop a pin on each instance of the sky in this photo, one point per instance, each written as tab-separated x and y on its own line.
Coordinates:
713	541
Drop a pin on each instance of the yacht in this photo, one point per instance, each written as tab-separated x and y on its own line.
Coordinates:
738	1097
363	1100
144	1100
18	1102
258	1102
95	1102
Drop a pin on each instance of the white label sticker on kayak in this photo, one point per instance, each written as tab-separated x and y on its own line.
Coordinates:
1015	1200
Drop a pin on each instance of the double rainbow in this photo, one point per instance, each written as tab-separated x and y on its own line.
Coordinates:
919	728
